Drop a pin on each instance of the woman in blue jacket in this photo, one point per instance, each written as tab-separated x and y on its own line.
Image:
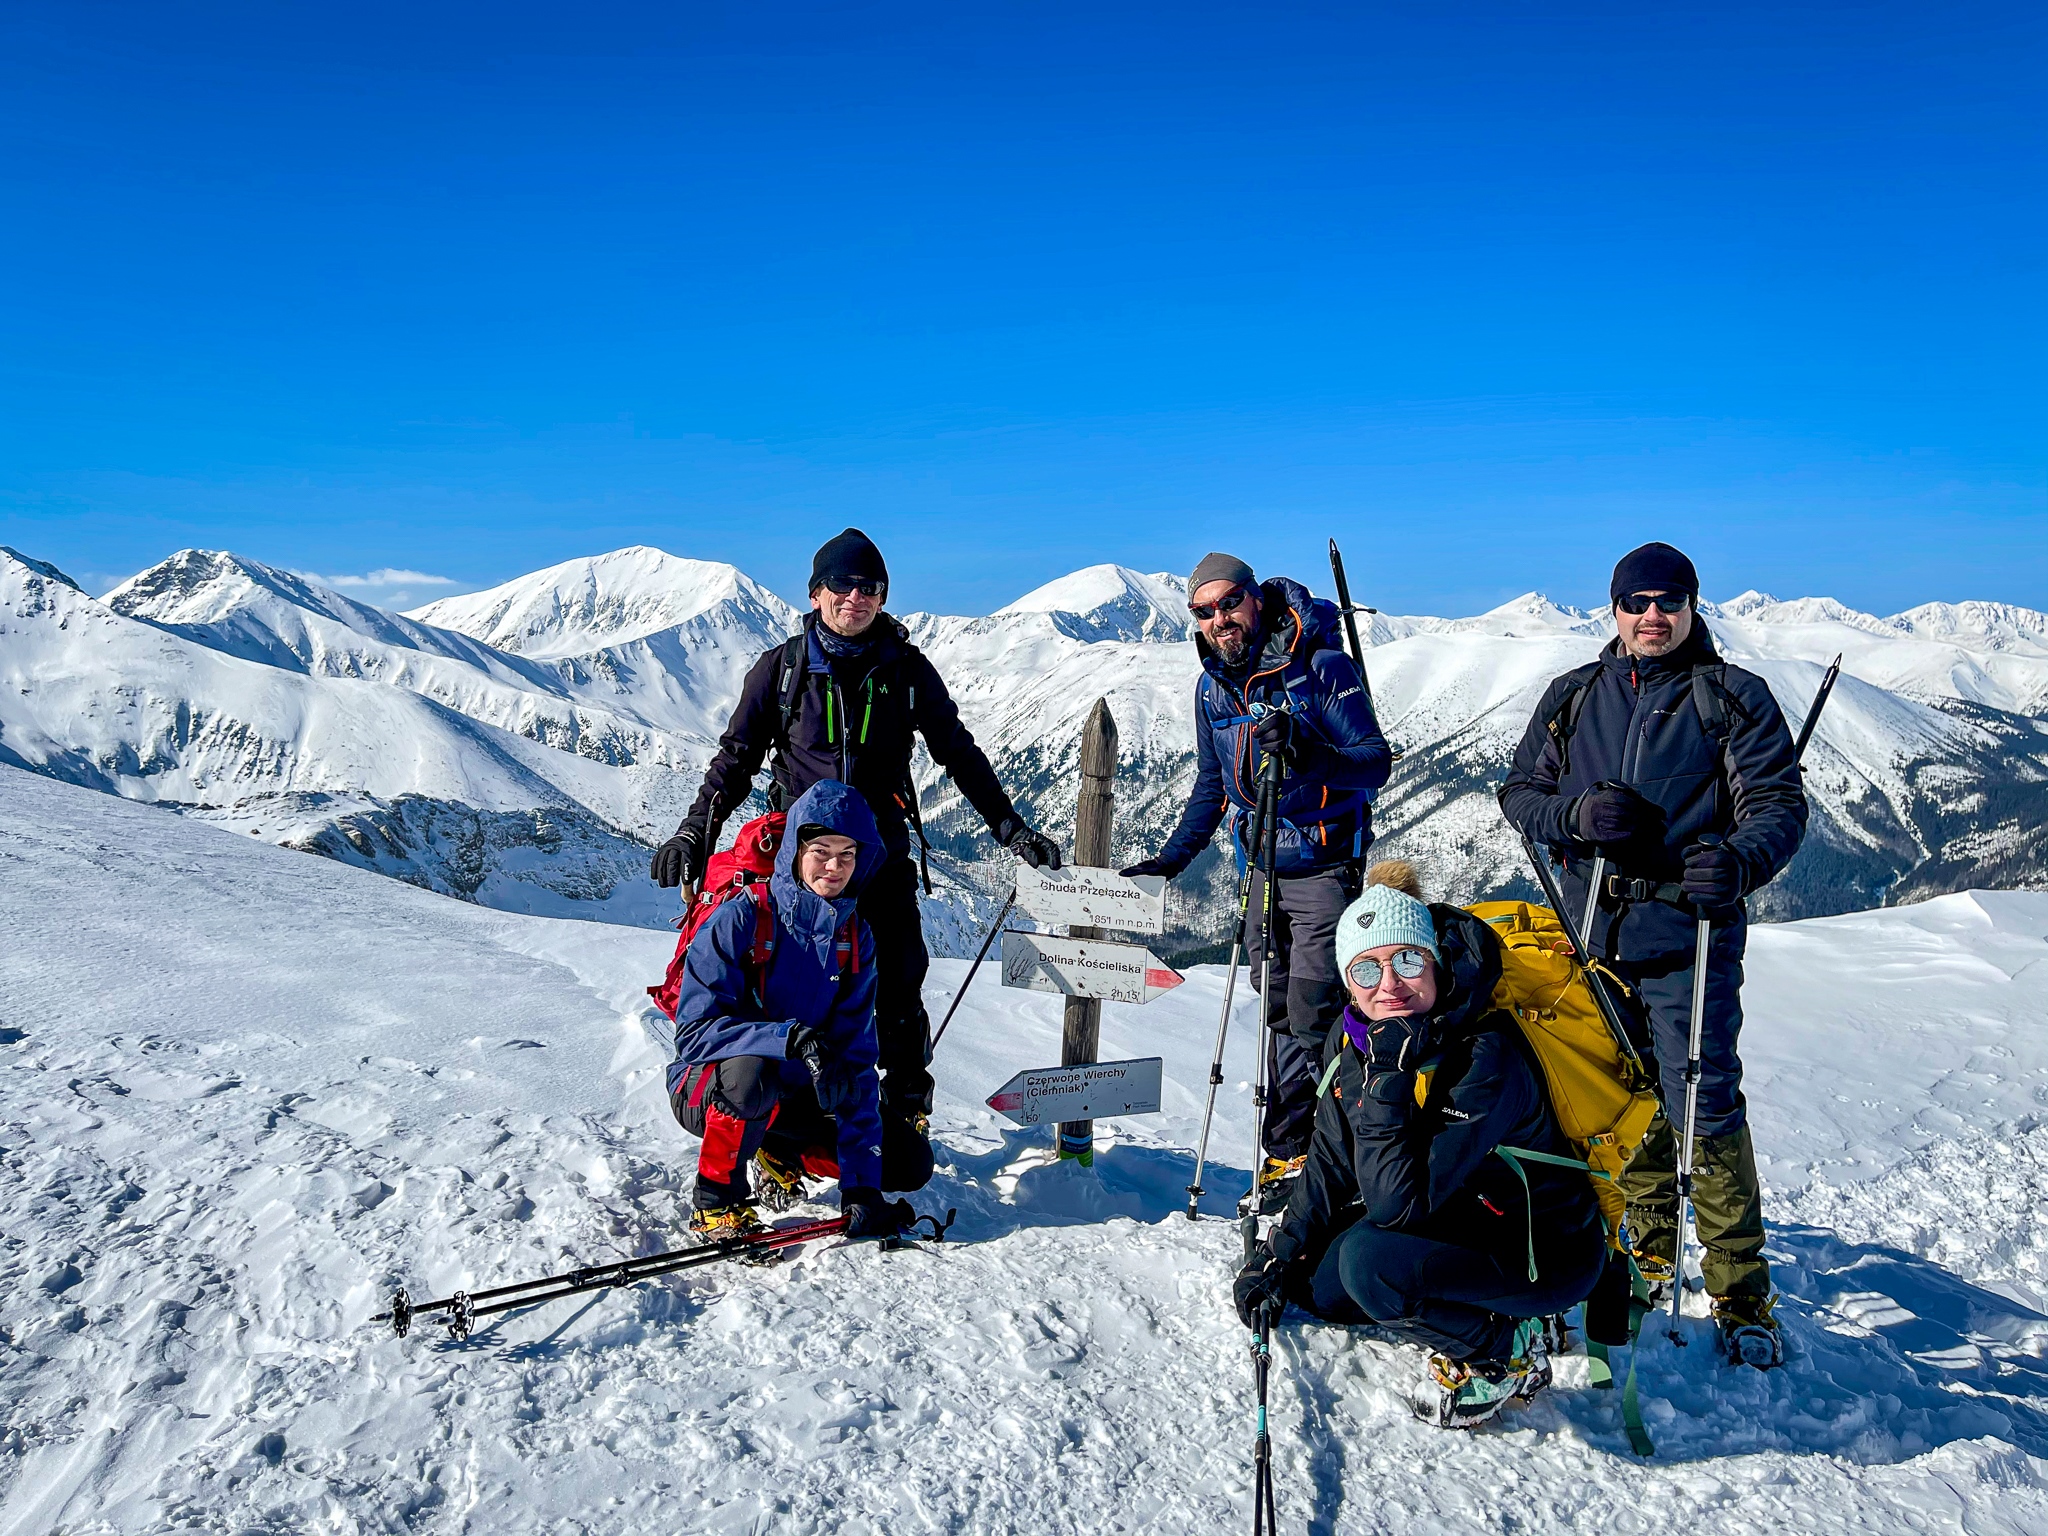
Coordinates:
775	1028
1413	1211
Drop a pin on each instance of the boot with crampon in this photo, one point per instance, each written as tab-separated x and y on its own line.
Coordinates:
1749	1330
1469	1392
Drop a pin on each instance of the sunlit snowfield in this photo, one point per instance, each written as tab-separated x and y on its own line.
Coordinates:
246	1091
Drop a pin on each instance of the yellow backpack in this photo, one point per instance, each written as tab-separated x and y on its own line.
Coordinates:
1604	1103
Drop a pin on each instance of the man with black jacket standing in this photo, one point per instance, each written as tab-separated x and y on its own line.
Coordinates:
1674	773
844	699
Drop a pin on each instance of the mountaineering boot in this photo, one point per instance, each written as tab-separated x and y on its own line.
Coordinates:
781	1184
721	1223
1276	1182
1749	1330
1657	1274
1469	1392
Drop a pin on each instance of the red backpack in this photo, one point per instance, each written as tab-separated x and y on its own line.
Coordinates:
749	862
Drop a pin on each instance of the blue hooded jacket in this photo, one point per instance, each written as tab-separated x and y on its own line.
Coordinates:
718	1015
1325	802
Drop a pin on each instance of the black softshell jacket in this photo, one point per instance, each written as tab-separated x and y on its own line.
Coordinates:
856	722
1640	726
1378	1156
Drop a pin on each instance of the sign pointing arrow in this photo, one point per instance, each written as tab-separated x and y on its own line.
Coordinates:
1048	1095
1117	973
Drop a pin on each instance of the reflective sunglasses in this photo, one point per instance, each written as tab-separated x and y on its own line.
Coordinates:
846	586
1229	602
1667	602
1365	972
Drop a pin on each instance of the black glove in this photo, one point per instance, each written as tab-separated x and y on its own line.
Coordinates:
869	1215
834	1087
1713	875
681	859
1033	847
1150	867
1610	814
1399	1044
1258	1285
1275	736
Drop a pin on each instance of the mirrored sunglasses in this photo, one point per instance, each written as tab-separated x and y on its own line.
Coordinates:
845	586
1667	602
1229	602
1365	971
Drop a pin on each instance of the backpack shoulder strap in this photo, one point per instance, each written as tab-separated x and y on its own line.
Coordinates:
761	953
1565	718
789	678
1710	696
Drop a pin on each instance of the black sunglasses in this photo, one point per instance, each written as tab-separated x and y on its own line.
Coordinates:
1667	602
846	586
1229	602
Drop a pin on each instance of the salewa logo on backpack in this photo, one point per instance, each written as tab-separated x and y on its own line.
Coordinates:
1455	1114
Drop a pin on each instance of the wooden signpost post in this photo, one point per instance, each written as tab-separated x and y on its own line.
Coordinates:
1088	897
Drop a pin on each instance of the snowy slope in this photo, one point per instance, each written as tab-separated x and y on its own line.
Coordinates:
244	1092
243	608
639	631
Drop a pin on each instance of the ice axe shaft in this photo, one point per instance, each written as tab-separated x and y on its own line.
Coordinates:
1820	700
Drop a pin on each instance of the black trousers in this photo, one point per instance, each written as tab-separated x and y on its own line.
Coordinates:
903	1029
1307	992
1462	1302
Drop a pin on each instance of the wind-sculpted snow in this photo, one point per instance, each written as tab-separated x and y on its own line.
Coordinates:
243	1093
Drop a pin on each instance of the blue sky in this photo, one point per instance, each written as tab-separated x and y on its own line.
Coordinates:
1489	292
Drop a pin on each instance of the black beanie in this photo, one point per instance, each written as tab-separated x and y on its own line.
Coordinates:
852	555
1653	568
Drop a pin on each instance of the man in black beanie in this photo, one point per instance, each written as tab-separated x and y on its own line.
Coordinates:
845	699
1673	773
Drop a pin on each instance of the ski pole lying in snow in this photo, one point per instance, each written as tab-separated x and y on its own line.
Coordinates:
1260	812
980	955
463	1309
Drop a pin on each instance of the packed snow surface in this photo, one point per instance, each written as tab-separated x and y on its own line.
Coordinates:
247	1091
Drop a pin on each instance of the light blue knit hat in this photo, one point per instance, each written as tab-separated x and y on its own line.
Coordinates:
1388	913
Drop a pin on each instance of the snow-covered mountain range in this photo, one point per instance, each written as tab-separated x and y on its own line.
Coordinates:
523	746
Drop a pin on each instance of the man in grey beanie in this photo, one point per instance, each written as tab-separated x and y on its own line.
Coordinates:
1276	682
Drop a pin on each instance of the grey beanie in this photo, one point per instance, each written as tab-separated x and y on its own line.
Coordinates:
1218	567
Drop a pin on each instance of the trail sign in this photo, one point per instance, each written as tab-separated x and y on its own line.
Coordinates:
1047	1095
1118	973
1094	898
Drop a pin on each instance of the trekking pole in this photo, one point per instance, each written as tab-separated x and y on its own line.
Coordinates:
1244	900
463	1311
1598	874
1261	1080
980	955
1692	1099
1820	699
1265	1521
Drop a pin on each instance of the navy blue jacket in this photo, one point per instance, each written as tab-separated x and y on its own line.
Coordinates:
857	721
719	1015
1326	802
1640	726
1379	1157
